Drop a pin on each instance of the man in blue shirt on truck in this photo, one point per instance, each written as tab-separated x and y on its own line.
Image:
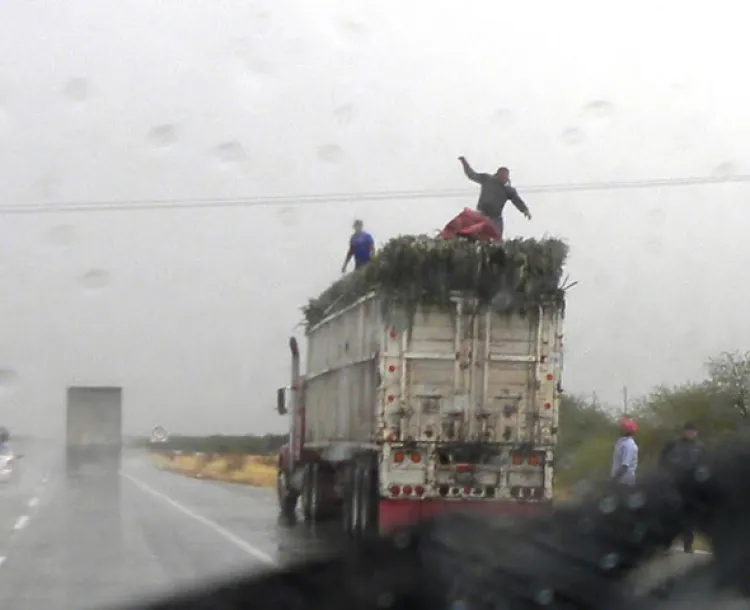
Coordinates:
361	247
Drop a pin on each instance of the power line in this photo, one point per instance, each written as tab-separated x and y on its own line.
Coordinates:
292	200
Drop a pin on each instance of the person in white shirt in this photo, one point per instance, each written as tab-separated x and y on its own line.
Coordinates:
625	454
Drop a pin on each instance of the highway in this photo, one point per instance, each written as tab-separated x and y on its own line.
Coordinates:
80	537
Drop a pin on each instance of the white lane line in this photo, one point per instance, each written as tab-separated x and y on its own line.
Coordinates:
2	560
225	533
22	522
33	502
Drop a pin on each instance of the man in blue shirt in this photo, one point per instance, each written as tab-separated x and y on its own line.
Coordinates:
361	247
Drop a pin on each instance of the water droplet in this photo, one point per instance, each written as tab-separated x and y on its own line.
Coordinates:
9	381
608	505
572	136
636	500
162	136
76	90
330	153
599	109
702	474
352	29
725	170
344	114
61	235
609	561
95	279
544	597
230	153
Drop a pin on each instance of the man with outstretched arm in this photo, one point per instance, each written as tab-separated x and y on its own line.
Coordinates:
495	192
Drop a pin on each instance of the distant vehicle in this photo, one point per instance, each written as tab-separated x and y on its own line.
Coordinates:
8	464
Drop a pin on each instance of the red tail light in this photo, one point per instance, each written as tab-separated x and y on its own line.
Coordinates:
407	490
517	459
395	490
398	457
464	467
419	490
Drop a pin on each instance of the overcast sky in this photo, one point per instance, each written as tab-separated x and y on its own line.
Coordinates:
190	310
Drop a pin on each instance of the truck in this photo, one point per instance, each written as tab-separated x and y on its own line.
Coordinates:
402	413
93	429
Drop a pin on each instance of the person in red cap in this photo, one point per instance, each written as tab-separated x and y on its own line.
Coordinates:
625	455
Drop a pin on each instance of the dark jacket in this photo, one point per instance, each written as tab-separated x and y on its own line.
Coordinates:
682	452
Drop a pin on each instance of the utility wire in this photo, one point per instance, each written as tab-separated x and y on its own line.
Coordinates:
296	200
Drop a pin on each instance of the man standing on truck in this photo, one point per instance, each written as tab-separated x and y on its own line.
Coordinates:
684	452
361	247
625	455
495	192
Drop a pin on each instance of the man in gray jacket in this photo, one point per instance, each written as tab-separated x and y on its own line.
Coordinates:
496	191
684	452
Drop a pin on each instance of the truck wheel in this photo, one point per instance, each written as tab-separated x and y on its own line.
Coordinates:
311	492
348	516
287	497
360	501
368	500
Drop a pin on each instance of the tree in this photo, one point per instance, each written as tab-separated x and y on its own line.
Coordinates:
729	373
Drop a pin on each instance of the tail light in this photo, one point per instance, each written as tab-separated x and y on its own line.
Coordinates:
416	457
395	490
517	459
398	457
407	490
464	467
419	490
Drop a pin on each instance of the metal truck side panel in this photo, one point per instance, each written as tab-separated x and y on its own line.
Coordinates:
342	375
94	416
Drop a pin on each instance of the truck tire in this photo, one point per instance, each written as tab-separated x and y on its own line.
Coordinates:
287	497
311	492
368	500
359	514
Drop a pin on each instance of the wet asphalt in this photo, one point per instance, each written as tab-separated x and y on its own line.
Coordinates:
100	535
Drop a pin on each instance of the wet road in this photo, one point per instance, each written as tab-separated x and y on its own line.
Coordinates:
90	536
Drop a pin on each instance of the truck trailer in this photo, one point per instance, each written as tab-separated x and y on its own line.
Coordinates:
402	413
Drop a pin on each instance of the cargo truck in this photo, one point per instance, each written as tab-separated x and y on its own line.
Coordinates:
400	415
93	429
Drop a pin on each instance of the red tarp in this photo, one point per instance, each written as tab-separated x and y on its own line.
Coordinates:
472	225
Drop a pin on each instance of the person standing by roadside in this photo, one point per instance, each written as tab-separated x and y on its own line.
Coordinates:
684	452
625	454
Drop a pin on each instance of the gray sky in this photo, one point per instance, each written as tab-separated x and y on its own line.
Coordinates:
190	310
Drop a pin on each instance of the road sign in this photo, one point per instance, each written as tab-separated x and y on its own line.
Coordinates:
159	435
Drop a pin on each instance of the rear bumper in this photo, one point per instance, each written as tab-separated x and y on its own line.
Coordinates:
394	514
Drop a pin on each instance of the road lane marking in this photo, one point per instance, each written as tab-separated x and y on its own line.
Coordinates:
22	522
33	502
2	561
222	531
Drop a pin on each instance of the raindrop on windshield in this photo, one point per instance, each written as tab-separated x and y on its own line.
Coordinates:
572	136
599	109
162	136
95	279
330	153
725	170
230	153
76	90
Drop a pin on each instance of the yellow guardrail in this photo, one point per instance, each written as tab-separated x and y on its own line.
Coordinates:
256	470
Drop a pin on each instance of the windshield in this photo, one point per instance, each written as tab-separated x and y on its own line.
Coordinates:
181	178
